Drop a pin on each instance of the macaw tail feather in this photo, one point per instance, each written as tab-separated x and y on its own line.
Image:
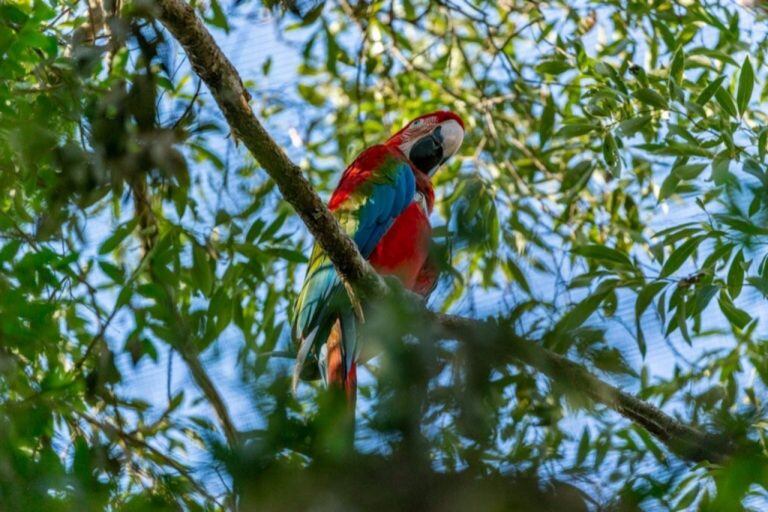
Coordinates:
338	375
301	357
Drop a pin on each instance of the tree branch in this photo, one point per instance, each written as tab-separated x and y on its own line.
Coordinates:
224	82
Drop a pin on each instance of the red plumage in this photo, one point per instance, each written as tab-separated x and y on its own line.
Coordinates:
404	248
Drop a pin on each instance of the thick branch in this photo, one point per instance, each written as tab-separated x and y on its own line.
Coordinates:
225	84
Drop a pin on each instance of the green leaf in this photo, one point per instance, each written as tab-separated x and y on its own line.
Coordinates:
703	297
720	169
333	50
572	130
679	255
583	450
176	401
760	284
254	230
311	95
9	250
736	275
274	226
34	39
576	177
762	142
630	127
709	91
517	275
611	154
286	254
722	253
553	67
13	14
651	97
751	166
689	171
547	121
312	15
681	318
677	67
112	271
688	498
668	186
202	275
735	316
674	148
218	18
581	312
746	85
725	100
266	66
603	254
124	297
610	359
742	225
650	443
120	234
644	299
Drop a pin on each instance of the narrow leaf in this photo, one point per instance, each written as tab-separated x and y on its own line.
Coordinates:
603	254
630	127
709	91
644	299
651	97
679	255
547	121
725	100
735	316
736	275
746	85
581	312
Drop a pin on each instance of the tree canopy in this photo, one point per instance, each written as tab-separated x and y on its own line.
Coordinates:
597	339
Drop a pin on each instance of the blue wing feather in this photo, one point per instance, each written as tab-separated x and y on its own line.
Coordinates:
386	201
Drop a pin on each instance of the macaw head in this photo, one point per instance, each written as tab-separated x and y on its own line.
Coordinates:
430	140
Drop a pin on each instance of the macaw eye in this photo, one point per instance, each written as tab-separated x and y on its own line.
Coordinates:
417	123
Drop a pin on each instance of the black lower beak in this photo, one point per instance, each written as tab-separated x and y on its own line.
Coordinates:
427	153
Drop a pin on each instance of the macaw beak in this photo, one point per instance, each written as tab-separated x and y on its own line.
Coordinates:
435	148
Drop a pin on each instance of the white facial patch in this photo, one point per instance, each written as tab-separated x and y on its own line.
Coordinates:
453	135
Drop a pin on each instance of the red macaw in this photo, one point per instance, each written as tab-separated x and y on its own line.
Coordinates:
383	202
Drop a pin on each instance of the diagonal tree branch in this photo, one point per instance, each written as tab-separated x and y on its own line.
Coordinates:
224	82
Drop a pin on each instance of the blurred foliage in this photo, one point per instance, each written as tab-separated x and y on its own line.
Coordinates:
612	187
